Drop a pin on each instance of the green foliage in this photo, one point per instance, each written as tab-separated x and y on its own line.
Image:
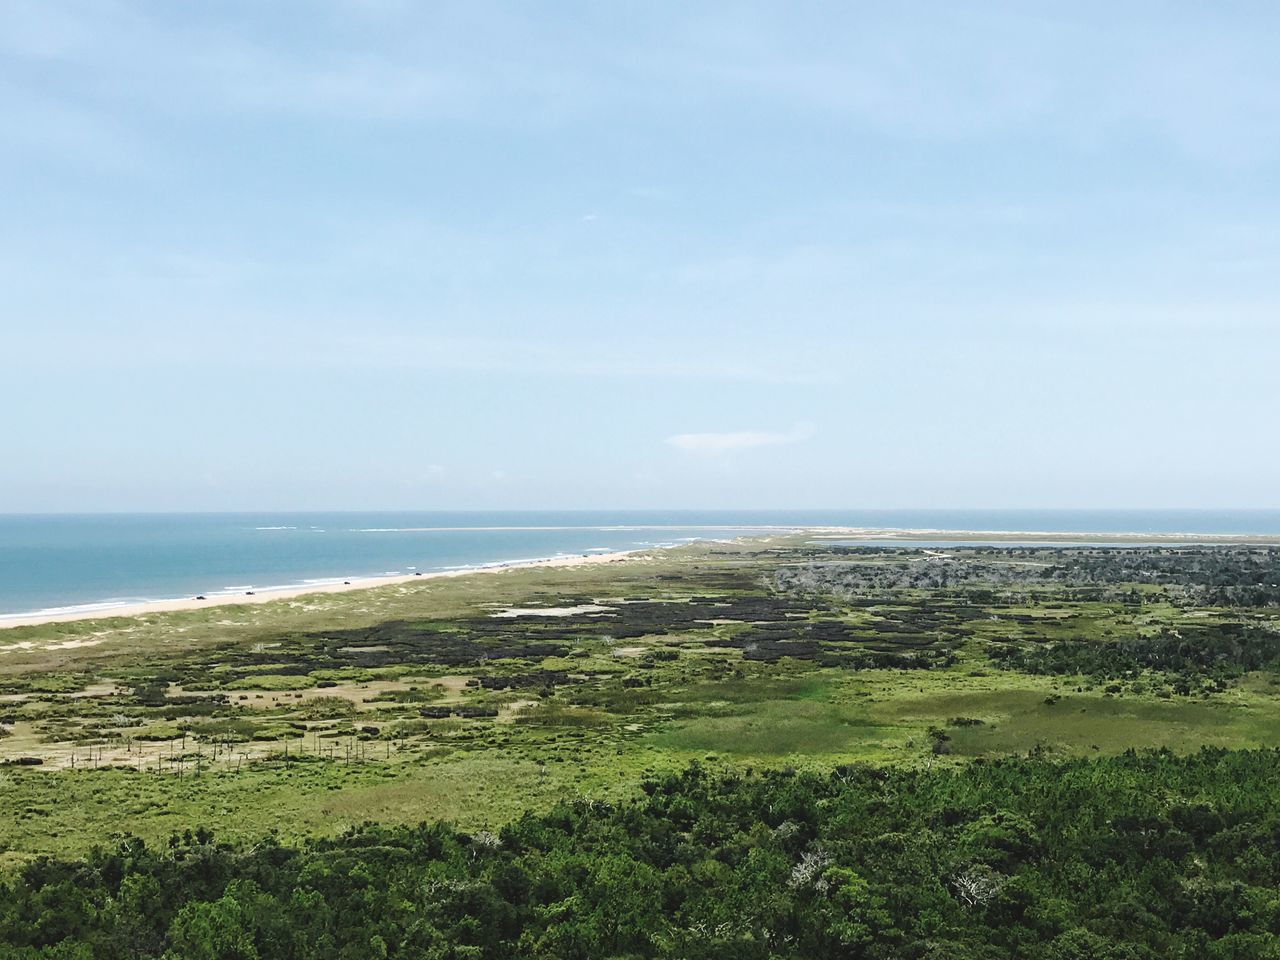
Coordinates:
1218	652
1228	575
271	681
561	715
1135	857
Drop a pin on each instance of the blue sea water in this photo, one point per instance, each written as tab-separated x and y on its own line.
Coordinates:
56	562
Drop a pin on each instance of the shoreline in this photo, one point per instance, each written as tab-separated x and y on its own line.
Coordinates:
870	536
268	594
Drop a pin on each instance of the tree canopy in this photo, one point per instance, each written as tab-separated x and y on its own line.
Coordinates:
1134	857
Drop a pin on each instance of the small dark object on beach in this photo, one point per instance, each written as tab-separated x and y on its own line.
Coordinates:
346	583
200	597
417	574
248	593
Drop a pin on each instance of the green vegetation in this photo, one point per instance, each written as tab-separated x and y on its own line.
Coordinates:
1127	858
1207	656
517	701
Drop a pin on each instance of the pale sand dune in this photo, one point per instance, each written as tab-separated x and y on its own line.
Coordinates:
551	611
283	593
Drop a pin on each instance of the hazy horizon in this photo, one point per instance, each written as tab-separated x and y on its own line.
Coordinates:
481	256
738	511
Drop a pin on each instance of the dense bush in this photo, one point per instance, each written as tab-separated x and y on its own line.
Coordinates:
1219	651
1228	576
1129	857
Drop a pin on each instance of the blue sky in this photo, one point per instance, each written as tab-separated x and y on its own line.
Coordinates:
382	254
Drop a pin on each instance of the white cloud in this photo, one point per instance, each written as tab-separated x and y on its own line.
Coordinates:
714	444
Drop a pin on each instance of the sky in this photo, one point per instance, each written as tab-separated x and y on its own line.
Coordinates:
365	254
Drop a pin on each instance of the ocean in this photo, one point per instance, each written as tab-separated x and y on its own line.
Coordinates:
68	562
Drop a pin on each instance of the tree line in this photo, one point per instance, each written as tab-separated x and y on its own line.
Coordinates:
1133	857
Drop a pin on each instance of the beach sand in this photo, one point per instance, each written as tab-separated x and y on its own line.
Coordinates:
267	595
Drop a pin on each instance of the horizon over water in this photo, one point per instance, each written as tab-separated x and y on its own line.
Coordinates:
68	562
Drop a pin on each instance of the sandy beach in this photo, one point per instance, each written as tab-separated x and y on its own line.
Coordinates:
267	595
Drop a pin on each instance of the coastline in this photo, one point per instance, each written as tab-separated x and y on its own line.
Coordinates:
269	594
868	536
